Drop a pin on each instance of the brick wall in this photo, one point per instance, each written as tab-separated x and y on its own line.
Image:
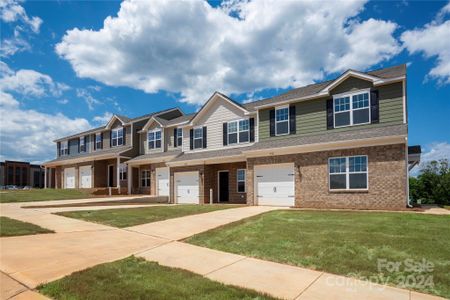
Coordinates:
387	179
211	180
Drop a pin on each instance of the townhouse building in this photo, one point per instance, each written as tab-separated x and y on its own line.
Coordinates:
341	143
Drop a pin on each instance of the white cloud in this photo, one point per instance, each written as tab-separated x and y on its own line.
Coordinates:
28	135
11	11
433	41
29	82
103	119
88	98
63	101
193	48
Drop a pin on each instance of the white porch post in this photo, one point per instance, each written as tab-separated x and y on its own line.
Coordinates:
118	174
130	179
50	173
45	177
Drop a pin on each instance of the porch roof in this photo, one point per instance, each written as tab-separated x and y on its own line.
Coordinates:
208	157
154	157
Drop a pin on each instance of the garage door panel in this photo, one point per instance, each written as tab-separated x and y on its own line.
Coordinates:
85	177
187	187
69	178
275	184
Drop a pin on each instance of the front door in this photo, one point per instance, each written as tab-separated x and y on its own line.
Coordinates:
223	186
162	181
111	176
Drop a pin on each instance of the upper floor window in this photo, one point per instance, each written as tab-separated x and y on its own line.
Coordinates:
352	109
98	141
198	138
238	131
123	172
154	139
282	120
117	137
347	173
64	148
83	144
179	137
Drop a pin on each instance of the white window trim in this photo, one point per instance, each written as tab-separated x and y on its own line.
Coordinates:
145	178
347	174
194	138
237	180
117	129
123	169
180	129
82	140
238	131
288	121
98	143
62	149
351	110
154	131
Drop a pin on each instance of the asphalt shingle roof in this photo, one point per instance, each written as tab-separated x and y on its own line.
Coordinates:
155	155
115	150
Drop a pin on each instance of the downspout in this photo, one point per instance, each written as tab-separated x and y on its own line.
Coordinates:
408	200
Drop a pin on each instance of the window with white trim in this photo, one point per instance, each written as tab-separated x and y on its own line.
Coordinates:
82	144
98	141
145	178
154	139
117	137
198	138
64	148
352	109
282	120
240	174
179	137
238	131
348	173
123	172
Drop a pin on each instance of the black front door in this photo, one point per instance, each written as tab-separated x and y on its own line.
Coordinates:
111	176
223	186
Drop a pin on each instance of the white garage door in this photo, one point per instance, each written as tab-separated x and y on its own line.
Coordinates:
162	181
275	184
85	177
186	187
69	178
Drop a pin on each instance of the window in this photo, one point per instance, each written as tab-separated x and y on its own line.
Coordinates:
117	137
98	141
240	180
238	131
145	178
179	137
352	109
82	144
64	148
282	121
198	138
123	172
154	139
348	173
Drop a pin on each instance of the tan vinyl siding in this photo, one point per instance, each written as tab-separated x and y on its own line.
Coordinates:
311	115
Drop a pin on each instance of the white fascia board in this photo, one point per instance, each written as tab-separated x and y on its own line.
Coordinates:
207	161
319	95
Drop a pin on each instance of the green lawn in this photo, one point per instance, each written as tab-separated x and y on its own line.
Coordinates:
42	195
347	243
11	227
134	216
134	278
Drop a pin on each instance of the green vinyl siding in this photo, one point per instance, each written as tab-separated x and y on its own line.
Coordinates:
311	115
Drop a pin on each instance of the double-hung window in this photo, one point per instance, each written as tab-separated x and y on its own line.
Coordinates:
179	137
282	120
64	148
82	144
240	174
198	138
352	109
117	137
98	141
238	131
145	178
348	173
154	139
123	172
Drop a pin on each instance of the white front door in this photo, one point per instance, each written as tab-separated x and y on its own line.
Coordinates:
69	178
85	177
162	181
186	187
275	184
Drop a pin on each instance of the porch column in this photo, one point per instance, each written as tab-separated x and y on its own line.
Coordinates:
50	174
45	177
130	180
118	174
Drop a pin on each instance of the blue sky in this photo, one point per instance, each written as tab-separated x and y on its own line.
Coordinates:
65	69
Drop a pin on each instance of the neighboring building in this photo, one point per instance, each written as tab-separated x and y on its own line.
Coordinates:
20	174
336	144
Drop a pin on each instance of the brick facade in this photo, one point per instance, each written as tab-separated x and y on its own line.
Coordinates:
386	170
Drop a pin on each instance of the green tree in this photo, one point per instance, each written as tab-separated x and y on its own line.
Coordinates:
432	186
